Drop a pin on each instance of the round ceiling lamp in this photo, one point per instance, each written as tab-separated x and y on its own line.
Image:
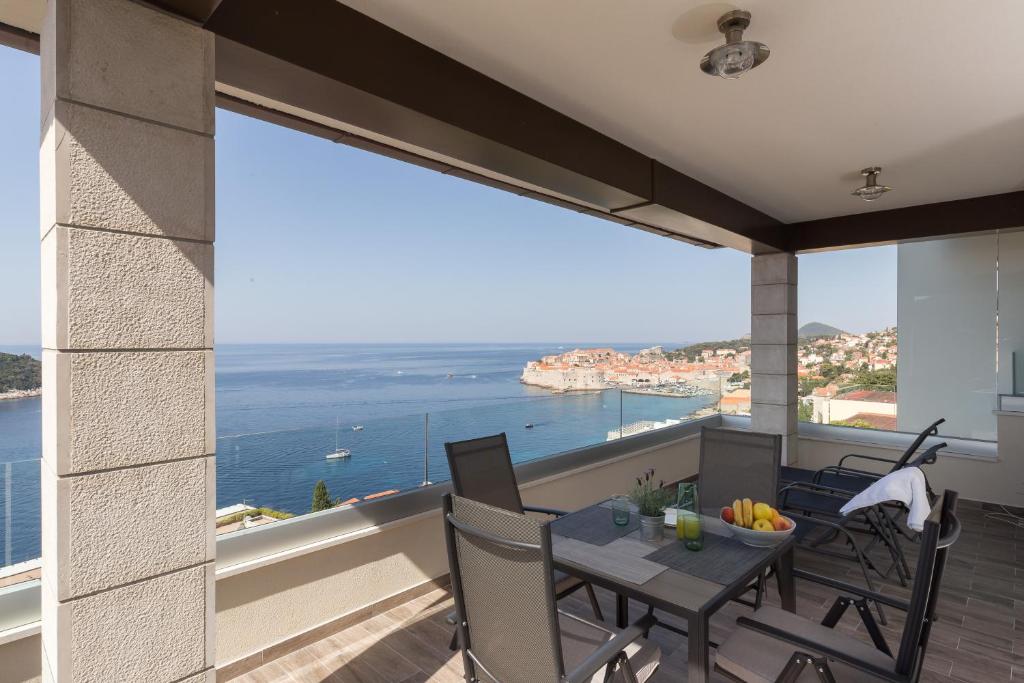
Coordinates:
737	56
871	190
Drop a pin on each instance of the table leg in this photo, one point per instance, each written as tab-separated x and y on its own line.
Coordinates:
697	647
621	611
784	575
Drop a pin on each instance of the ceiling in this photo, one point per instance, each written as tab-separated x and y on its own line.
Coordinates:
934	97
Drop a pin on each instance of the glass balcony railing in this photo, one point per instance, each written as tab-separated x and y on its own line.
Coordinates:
271	475
19	521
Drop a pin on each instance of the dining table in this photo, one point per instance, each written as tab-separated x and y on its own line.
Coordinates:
664	574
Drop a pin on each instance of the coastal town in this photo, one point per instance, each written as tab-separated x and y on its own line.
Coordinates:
844	378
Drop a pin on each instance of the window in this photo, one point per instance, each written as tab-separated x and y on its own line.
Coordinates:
925	330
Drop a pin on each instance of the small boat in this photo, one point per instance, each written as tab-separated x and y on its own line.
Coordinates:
357	428
339	452
450	375
529	425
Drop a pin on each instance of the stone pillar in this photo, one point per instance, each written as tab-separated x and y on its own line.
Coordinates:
126	194
773	344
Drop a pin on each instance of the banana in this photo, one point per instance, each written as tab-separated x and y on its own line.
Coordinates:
737	511
748	513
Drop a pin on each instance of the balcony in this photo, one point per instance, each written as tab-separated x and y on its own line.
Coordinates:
602	113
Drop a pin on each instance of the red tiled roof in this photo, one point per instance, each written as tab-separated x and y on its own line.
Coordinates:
886	422
866	395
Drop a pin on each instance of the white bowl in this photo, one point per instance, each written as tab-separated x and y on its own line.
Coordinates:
760	539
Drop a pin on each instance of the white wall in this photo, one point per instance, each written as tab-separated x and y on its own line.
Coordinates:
946	313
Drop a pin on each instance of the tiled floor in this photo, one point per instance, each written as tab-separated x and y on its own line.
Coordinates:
979	637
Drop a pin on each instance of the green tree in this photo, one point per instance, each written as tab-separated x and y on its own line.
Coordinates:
805	411
321	497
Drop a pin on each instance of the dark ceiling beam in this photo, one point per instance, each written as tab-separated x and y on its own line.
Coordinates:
12	36
926	221
425	99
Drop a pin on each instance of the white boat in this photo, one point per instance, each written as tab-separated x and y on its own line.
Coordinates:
357	428
339	452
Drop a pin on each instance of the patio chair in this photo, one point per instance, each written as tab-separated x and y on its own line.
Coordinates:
738	464
482	471
774	645
510	629
841	476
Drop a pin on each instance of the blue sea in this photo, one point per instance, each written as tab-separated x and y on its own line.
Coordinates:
282	408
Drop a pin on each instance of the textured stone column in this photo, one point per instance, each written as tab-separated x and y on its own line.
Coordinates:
126	192
773	339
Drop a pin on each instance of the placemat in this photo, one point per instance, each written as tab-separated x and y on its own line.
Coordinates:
593	525
617	559
722	560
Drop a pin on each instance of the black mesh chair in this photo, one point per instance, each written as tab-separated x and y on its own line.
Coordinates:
509	627
482	471
738	464
774	645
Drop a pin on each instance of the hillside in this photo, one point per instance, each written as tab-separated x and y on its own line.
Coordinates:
19	372
693	350
811	330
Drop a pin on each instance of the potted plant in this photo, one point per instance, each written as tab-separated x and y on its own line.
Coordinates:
651	498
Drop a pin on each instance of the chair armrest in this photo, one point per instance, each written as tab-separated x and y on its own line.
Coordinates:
544	511
844	587
875	458
808	644
608	652
842	470
808	487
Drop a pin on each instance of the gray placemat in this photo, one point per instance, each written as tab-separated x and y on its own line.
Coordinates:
619	558
722	560
593	525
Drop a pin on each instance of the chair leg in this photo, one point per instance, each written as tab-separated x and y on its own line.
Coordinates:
593	602
454	645
759	592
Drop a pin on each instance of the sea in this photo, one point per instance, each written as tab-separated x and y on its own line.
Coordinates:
281	408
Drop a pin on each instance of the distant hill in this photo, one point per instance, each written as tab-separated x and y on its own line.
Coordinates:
19	372
818	330
691	351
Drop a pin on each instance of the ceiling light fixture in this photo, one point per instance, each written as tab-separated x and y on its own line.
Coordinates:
737	56
871	190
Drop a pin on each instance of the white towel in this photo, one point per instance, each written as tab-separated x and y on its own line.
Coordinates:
907	486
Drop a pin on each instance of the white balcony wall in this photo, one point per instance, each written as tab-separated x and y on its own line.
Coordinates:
946	314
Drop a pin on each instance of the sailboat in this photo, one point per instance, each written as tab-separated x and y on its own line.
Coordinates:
339	452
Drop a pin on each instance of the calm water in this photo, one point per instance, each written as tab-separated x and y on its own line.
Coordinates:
277	407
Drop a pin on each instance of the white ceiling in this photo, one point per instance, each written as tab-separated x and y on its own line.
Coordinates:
931	91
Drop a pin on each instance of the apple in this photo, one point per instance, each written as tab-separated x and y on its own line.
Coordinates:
728	516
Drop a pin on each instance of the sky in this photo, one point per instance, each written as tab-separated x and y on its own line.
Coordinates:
319	242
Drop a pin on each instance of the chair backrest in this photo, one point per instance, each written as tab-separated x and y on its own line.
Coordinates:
930	430
482	471
737	464
501	573
941	530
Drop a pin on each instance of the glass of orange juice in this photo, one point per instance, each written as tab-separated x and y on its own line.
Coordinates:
688	524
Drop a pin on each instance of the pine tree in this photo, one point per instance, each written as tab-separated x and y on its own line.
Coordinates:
321	497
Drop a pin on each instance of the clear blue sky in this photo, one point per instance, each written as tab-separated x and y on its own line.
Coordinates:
322	242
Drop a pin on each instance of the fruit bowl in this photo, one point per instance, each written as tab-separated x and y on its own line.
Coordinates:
760	539
762	526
